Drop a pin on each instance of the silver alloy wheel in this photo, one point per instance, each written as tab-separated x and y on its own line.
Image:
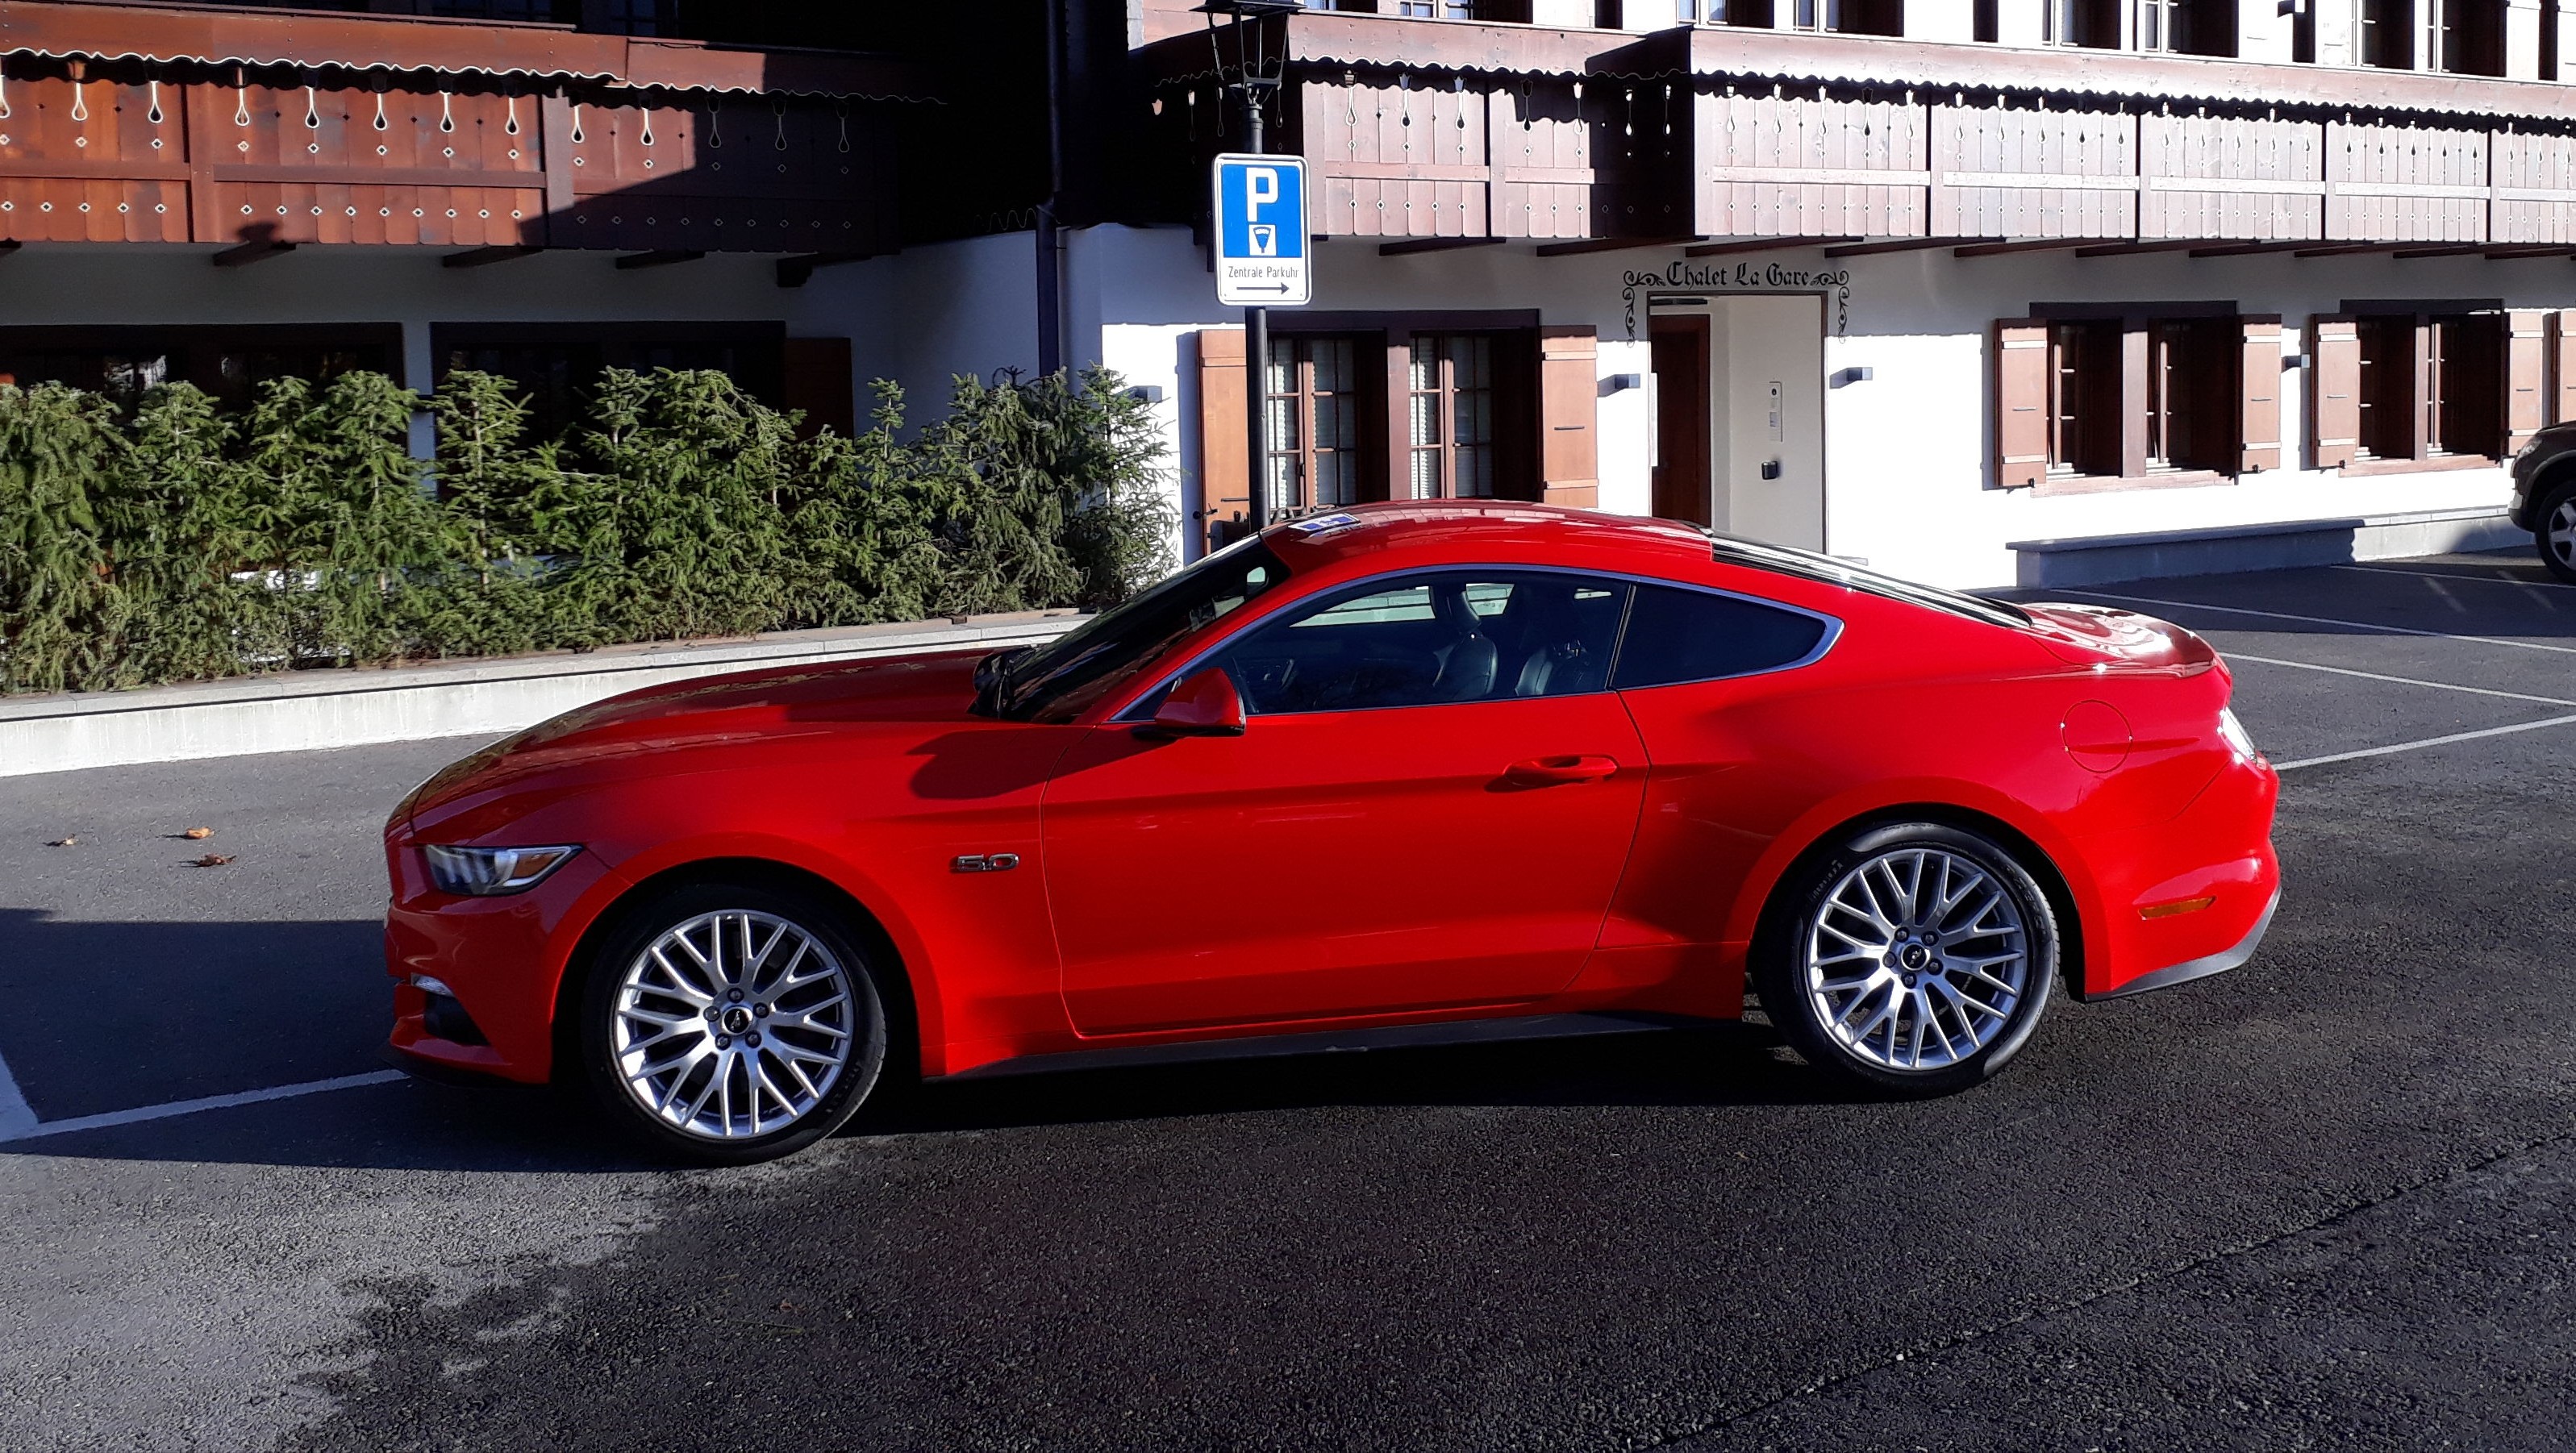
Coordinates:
733	1024
1916	959
2562	532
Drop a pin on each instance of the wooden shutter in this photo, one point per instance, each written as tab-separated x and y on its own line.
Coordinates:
2334	390
2562	358
818	384
1569	395
2258	394
2526	375
2021	402
1225	475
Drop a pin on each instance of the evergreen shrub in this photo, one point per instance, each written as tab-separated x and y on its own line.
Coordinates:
176	540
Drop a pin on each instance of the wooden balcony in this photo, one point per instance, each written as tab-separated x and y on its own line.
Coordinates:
140	124
1472	132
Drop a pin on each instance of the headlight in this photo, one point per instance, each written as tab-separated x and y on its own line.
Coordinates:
492	872
2233	732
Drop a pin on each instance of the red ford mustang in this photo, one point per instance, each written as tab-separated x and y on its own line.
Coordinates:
1407	772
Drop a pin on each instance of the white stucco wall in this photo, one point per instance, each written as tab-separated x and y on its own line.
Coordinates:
1906	452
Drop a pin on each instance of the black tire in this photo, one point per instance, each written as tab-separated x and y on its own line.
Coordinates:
1806	1019
2557	511
754	908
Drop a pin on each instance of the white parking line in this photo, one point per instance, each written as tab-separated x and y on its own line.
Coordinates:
2278	615
2400	680
2527	726
31	1129
2449	575
16	1118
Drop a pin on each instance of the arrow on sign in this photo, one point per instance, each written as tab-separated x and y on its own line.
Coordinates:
1259	288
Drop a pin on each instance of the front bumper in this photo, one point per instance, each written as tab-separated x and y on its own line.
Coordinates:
503	959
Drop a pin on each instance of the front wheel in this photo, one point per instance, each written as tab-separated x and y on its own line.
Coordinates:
728	1023
1915	957
2556	533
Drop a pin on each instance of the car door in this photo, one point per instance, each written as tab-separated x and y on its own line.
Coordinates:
1429	809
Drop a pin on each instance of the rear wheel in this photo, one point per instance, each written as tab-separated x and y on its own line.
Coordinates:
731	1023
2556	533
1915	957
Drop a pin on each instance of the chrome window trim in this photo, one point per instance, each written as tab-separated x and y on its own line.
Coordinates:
1128	715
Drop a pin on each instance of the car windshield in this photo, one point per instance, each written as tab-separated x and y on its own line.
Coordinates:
1056	681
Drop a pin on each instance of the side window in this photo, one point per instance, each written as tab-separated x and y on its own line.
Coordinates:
1689	635
1431	640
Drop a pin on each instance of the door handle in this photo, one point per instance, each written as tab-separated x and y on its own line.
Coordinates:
1550	771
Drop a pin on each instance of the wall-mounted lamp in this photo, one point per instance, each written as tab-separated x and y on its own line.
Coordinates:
1146	393
1619	383
1843	377
2296	360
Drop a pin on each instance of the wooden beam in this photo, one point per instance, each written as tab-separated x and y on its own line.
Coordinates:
2455	249
2249	249
2340	248
2138	249
1412	245
2512	251
258	250
486	256
1761	244
796	272
1609	244
1905	244
2000	249
633	260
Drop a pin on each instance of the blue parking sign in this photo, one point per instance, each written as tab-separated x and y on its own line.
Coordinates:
1261	258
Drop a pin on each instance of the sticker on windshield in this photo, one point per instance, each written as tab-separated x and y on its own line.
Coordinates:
1321	523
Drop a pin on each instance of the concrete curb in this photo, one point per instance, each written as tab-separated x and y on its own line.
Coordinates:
2105	559
310	710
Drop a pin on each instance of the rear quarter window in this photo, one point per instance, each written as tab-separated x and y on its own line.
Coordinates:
1678	635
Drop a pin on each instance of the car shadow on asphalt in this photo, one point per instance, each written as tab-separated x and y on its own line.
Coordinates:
423	1126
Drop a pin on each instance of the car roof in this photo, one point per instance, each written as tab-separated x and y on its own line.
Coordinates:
1498	528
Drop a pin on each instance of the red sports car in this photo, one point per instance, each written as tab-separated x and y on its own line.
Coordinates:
1407	772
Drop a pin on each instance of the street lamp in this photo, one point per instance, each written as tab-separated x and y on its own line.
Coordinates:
1255	75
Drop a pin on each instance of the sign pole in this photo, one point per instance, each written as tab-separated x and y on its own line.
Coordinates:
1256	359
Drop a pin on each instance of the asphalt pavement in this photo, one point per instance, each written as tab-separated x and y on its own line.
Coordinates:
2318	1202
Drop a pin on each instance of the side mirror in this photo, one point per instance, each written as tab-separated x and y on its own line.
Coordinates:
1205	705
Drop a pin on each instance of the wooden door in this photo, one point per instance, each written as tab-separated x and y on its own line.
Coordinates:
1679	347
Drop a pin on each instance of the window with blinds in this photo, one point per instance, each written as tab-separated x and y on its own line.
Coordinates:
1313	425
1452	407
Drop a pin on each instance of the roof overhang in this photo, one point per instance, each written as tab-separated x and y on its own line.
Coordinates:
334	40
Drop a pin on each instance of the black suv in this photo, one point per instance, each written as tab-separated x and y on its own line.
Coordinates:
2544	496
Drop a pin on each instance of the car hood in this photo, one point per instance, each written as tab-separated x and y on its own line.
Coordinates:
677	726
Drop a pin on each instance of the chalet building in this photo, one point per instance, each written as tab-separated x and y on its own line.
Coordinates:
1975	290
1933	283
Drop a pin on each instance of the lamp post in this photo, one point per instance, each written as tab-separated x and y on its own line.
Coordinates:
1254	74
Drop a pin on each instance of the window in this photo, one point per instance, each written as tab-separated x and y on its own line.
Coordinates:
228	362
1451	378
557	362
2188	27
2431	385
1431	640
1679	635
2191	392
2135	393
2387	34
1313	428
1847	17
2084	398
2092	24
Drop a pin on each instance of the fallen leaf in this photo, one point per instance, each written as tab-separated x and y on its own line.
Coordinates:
64	842
211	860
194	833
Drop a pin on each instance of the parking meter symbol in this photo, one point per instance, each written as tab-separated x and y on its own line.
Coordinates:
1265	239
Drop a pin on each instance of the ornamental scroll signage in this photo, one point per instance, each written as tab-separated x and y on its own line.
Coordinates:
1764	277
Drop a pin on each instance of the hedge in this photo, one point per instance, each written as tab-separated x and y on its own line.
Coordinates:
173	539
